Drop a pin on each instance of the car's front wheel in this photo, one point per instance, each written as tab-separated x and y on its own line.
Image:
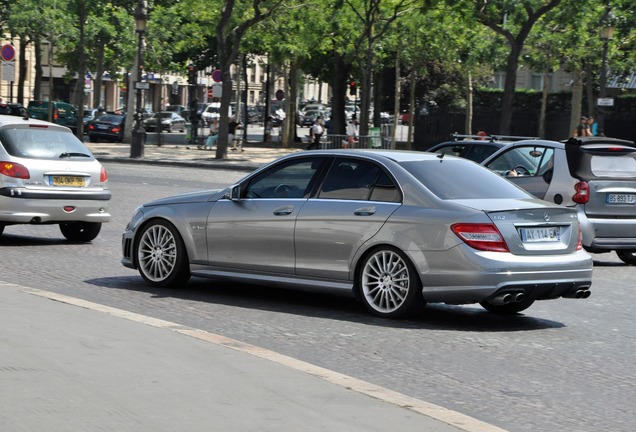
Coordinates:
627	256
161	255
388	284
80	231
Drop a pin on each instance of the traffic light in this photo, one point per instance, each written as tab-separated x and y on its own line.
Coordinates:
192	74
352	88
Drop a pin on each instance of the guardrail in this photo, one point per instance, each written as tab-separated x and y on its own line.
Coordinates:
361	142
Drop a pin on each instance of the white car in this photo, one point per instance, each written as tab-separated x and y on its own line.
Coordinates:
48	176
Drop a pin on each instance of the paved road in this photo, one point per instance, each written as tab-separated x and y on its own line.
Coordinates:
564	365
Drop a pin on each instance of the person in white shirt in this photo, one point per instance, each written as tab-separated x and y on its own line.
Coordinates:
316	133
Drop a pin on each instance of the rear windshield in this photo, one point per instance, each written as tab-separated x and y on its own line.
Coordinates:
452	179
42	143
614	166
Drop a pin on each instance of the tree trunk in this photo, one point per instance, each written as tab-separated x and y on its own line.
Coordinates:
507	102
577	98
97	83
22	69
37	85
409	139
468	126
396	100
544	104
339	87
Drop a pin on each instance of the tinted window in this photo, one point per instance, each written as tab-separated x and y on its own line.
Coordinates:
352	179
41	143
462	179
287	180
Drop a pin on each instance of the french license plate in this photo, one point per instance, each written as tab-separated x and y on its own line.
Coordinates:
539	235
72	181
621	198
99	126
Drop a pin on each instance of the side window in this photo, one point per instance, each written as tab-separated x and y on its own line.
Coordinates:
287	180
351	179
524	161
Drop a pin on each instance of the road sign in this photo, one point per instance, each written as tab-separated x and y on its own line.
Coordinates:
217	90
605	102
216	76
8	71
7	52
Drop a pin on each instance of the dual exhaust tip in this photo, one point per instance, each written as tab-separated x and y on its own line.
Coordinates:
518	297
509	297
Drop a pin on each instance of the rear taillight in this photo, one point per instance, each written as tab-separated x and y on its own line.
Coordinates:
56	114
103	175
116	129
582	195
485	237
91	127
15	170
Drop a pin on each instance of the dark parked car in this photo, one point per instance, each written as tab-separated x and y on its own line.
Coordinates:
14	109
107	127
308	118
385	226
63	113
594	175
168	120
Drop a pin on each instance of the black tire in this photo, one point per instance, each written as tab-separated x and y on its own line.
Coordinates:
80	232
508	308
627	256
388	284
1	229
161	255
93	139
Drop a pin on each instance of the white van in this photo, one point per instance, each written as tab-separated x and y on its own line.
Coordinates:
213	111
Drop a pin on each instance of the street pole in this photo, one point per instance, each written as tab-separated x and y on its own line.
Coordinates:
139	133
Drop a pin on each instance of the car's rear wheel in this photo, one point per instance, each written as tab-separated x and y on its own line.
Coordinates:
508	308
93	139
627	256
388	284
161	255
1	229
80	231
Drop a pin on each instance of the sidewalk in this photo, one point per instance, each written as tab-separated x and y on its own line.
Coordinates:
72	365
178	152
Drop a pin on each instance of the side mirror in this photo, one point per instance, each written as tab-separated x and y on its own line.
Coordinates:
235	193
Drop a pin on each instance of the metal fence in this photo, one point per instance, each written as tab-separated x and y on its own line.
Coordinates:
361	142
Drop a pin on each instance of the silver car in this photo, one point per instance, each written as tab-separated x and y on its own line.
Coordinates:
396	229
48	176
595	175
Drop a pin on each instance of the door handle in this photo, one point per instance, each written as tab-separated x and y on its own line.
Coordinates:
284	211
365	211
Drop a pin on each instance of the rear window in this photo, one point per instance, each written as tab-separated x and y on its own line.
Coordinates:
451	179
613	166
42	143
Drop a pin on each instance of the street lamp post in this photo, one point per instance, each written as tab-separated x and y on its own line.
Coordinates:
606	33
139	133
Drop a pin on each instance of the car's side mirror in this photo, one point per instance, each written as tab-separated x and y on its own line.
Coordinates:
235	193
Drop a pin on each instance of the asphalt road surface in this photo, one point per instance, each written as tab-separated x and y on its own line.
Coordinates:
562	365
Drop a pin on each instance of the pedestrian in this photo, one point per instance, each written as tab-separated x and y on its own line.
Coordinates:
352	134
583	129
213	134
233	126
593	126
315	134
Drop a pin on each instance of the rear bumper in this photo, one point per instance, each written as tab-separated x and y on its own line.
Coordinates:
607	233
54	208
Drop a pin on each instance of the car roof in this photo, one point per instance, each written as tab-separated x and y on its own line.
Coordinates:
379	155
7	120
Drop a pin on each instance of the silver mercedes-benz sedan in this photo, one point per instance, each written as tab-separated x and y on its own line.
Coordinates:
396	229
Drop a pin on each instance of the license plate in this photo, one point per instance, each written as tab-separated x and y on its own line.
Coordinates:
621	198
538	235
68	181
102	126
